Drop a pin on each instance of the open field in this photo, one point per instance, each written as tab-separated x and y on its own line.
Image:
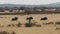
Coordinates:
44	29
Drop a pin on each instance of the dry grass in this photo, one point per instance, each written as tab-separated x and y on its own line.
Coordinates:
44	29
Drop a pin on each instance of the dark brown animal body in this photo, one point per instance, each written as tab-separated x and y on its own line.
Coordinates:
14	19
44	18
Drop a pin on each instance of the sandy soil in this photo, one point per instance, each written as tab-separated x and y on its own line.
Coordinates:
45	29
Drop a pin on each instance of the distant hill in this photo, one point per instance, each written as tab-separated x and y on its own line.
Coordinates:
19	5
52	5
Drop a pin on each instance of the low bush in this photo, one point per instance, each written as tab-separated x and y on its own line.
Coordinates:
19	24
3	32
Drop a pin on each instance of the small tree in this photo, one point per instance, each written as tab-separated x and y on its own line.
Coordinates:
22	8
29	24
30	18
11	10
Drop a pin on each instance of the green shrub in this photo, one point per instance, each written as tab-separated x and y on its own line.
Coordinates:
19	24
28	25
3	32
57	22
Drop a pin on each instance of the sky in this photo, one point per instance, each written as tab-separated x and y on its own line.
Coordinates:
28	2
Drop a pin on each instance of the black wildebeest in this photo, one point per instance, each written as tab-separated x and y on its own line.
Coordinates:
15	19
44	18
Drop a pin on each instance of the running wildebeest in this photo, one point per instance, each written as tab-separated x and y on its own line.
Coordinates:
14	19
44	18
